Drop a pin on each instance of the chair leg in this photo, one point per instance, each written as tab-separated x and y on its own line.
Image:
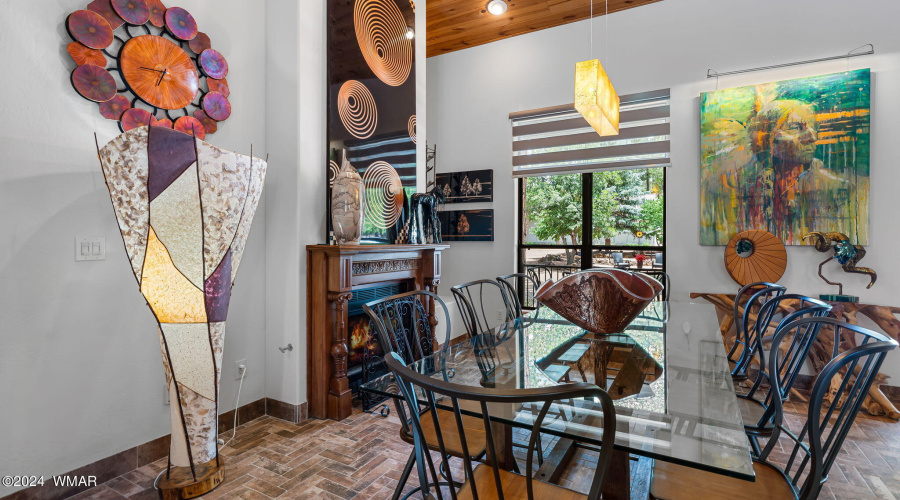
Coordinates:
405	476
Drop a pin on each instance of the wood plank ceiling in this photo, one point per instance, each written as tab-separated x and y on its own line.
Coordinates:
459	24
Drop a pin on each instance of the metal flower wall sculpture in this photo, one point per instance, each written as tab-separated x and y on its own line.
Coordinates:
184	209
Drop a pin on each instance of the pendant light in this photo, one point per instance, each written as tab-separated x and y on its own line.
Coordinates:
595	97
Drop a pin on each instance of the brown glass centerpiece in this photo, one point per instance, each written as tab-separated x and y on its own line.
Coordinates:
601	301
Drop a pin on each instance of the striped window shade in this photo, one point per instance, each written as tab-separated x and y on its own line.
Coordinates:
558	140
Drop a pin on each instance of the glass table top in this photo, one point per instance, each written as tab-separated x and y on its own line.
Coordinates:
667	373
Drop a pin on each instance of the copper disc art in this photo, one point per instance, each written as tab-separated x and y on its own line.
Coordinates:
216	106
94	83
135	12
755	255
384	194
412	128
89	28
357	110
381	33
160	70
181	23
85	55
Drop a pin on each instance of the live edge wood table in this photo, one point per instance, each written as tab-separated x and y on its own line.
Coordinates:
333	272
884	317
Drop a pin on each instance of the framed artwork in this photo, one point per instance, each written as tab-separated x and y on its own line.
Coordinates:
465	187
788	157
467	225
372	106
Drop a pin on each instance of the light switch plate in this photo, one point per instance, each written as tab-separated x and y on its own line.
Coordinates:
90	248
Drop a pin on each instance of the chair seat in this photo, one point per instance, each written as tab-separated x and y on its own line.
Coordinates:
676	482
475	435
514	486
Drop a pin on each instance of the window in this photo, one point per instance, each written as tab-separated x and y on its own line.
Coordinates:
582	194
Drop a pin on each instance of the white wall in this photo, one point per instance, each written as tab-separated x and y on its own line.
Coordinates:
81	373
672	44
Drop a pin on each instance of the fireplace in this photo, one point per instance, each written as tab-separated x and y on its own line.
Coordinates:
365	355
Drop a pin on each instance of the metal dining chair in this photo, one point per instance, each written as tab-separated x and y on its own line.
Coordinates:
809	451
619	261
404	329
744	333
520	289
540	274
473	297
756	404
489	480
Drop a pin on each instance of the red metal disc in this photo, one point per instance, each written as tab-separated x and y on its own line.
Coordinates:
209	125
137	117
104	8
94	83
89	28
84	55
157	13
199	43
216	106
135	12
220	86
213	64
181	23
190	126
115	107
165	122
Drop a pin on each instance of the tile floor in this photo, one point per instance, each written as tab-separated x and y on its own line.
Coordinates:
362	457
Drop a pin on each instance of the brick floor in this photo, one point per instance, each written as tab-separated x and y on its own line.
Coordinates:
362	457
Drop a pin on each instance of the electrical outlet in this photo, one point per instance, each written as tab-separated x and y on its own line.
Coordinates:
237	369
501	314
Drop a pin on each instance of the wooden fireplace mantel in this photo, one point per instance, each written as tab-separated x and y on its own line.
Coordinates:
332	273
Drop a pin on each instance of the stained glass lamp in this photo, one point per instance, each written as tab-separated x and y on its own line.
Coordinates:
184	209
595	97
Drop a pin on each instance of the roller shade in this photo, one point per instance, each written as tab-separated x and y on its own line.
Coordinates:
558	140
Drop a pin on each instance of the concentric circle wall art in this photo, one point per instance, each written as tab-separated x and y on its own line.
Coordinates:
357	109
381	33
755	255
147	65
411	126
384	194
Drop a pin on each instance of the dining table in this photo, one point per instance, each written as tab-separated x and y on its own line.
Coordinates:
667	373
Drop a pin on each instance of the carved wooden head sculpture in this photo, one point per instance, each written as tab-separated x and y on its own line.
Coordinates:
184	209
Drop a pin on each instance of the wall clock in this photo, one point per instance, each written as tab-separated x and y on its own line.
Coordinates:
145	64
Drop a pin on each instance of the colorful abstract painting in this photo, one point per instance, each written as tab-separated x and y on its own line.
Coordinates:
790	157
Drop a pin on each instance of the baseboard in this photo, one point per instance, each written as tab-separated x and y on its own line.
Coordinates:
151	451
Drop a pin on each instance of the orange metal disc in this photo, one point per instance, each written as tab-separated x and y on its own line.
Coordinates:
766	262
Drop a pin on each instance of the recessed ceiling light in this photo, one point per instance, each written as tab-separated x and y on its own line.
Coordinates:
497	7
410	33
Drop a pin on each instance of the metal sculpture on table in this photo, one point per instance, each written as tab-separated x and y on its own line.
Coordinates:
847	255
184	209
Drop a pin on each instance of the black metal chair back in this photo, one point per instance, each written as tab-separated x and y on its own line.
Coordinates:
794	348
404	326
835	400
745	335
663	278
475	298
422	392
520	289
540	274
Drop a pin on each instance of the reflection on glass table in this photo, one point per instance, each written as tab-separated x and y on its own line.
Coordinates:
667	374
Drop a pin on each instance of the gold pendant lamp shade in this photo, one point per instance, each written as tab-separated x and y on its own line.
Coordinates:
595	97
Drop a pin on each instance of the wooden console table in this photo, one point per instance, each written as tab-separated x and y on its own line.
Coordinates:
877	403
332	273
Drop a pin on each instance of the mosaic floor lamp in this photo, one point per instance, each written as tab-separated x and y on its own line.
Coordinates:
184	209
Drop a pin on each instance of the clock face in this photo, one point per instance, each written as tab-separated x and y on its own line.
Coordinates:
159	72
145	64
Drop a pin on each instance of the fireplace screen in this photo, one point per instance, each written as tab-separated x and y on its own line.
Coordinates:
365	360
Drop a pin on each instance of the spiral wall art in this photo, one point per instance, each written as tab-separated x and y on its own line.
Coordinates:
372	105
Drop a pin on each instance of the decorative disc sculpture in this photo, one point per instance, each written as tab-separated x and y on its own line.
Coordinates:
348	200
755	255
600	301
184	209
847	255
